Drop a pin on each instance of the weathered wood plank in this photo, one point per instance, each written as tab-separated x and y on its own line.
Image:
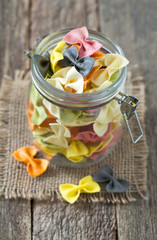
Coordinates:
15	219
56	15
139	220
14	29
133	25
58	220
15	215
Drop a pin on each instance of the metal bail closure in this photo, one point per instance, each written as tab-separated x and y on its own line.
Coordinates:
128	109
29	54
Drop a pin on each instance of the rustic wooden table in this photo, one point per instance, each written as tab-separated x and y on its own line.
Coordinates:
133	24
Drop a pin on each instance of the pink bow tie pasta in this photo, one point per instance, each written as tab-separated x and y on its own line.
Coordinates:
79	36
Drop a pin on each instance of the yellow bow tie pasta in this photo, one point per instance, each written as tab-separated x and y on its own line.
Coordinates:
71	192
112	62
56	56
67	79
52	108
58	135
106	115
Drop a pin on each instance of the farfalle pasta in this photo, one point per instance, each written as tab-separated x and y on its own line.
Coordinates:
71	192
56	55
79	36
71	58
68	79
83	67
112	63
109	113
35	166
57	135
105	174
39	113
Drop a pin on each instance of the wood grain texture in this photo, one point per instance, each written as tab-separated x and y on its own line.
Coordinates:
55	15
133	25
15	219
61	221
15	215
14	35
81	221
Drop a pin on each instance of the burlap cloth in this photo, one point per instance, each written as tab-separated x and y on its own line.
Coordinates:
127	160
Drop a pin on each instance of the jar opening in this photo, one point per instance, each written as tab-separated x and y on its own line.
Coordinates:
73	100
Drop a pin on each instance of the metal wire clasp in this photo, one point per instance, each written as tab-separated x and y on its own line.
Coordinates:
30	53
128	109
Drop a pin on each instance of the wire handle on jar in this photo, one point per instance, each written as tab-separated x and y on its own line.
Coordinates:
128	109
29	54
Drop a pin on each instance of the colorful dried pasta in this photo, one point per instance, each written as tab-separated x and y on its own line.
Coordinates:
78	66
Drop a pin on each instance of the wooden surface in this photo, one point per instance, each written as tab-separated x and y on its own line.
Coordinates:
133	24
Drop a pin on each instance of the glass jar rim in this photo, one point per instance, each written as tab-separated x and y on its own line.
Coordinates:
73	100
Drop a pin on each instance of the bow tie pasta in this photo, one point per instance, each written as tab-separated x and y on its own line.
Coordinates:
56	55
58	135
108	113
67	79
112	62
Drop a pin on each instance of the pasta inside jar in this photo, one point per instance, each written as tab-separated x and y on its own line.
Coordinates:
73	111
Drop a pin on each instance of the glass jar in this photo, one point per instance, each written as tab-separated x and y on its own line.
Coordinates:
76	129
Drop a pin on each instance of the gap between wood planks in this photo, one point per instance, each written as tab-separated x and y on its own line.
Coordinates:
31	205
